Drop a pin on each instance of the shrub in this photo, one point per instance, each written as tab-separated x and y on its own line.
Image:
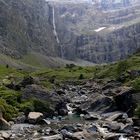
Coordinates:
40	105
8	111
26	107
121	68
70	66
10	96
136	84
81	76
34	105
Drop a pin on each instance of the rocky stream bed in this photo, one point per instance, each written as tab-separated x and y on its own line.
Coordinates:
90	111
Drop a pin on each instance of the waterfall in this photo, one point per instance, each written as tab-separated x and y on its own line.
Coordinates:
55	32
70	109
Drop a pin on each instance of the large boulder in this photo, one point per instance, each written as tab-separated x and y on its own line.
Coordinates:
124	101
4	125
128	129
136	121
35	91
54	137
35	117
13	85
102	104
5	135
85	135
97	103
27	81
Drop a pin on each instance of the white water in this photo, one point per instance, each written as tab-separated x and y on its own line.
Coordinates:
70	109
54	26
55	32
99	29
122	138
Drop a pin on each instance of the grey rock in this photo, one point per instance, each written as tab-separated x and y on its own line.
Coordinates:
34	117
4	125
5	135
54	137
128	129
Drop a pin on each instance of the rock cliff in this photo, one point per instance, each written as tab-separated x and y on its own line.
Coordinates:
69	30
96	35
24	27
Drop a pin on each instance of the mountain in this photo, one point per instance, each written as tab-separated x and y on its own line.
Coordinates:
95	34
69	30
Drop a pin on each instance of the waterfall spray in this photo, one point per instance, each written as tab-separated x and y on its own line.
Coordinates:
55	32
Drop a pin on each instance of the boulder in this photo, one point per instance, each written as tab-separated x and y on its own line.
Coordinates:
92	129
124	101
102	104
34	117
136	121
80	111
66	134
91	117
62	112
85	135
70	128
54	137
60	92
128	129
4	125
5	135
21	119
1	138
113	127
35	91
113	116
112	137
27	81
96	103
61	108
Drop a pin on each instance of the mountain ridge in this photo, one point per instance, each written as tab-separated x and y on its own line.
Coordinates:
69	31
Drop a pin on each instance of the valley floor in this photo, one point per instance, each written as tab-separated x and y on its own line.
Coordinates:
75	103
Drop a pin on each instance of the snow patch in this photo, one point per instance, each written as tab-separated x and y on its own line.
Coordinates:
99	29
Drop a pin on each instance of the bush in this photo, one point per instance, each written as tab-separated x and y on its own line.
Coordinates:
81	76
70	66
40	106
136	84
34	105
121	68
10	96
8	111
26	107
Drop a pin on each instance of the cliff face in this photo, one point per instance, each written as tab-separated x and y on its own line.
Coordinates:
24	27
68	30
97	35
111	47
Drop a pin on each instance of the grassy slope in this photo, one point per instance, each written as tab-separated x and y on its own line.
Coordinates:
50	78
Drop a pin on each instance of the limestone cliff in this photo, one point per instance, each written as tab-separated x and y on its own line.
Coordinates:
97	35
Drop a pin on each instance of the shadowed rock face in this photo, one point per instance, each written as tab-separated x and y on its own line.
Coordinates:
69	30
24	26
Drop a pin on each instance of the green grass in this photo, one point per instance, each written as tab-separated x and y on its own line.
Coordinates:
10	103
32	60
